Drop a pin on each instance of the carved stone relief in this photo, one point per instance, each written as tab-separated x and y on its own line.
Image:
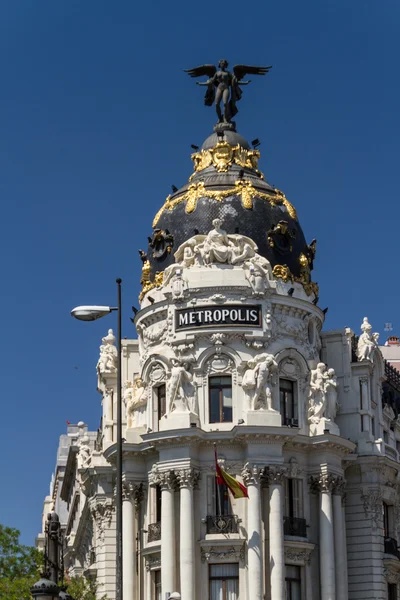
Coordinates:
223	553
372	503
102	511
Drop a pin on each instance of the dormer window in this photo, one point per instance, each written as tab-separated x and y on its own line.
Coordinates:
220	399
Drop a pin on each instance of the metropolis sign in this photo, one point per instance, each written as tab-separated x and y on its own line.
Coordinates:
233	315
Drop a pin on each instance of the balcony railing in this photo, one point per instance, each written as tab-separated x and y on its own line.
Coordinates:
222	524
294	526
154	532
391	547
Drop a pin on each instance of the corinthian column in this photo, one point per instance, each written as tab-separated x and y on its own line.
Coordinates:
275	477
167	481
188	479
324	484
252	477
131	496
340	541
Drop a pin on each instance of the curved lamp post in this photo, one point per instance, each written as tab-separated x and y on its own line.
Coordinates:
92	313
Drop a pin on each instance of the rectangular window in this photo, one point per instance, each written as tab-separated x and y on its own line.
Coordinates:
220	399
220	494
224	582
158	504
293	497
387	520
157	585
161	400
385	436
373	426
392	591
293	582
288	403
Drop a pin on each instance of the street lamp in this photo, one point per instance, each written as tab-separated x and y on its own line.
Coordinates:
45	589
92	313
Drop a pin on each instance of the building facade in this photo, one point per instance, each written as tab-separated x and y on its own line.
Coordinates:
231	355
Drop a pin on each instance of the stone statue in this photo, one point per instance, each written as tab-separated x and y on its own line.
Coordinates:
331	395
367	342
85	453
224	86
108	359
135	399
322	397
216	247
317	393
258	381
219	247
181	392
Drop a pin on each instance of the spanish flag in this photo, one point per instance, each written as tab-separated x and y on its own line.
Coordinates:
237	489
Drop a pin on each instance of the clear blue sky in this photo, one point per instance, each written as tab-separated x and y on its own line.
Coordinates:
97	118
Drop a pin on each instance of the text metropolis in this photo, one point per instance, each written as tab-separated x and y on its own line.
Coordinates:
232	315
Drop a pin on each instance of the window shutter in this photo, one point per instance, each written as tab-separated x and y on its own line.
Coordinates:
211	500
297	498
287	502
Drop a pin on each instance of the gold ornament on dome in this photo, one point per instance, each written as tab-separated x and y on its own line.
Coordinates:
223	155
150	285
282	272
283	200
243	188
146	269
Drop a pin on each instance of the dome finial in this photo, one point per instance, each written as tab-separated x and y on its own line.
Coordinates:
224	86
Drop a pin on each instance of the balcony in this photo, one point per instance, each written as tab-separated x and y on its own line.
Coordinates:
294	526
222	524
391	547
154	532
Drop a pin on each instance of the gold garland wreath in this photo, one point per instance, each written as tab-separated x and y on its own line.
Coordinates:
243	188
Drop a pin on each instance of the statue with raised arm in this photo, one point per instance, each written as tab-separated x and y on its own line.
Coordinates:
224	86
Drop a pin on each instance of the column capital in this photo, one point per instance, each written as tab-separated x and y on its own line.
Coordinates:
133	491
339	486
274	475
188	478
167	480
326	482
251	474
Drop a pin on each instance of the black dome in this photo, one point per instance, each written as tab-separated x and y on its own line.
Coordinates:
227	184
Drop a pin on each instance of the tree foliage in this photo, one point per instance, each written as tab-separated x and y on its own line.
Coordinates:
19	566
81	588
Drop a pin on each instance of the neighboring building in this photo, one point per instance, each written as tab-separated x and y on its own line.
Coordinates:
230	352
391	351
53	501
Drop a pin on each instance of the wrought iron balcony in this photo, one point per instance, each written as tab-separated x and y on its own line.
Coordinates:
391	547
154	532
294	526
222	524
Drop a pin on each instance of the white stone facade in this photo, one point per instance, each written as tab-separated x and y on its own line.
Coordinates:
227	356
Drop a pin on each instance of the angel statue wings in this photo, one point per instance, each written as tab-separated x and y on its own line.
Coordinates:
224	86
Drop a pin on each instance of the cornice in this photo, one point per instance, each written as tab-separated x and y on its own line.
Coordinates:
288	438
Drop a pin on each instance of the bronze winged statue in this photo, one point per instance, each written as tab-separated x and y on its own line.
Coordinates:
222	85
